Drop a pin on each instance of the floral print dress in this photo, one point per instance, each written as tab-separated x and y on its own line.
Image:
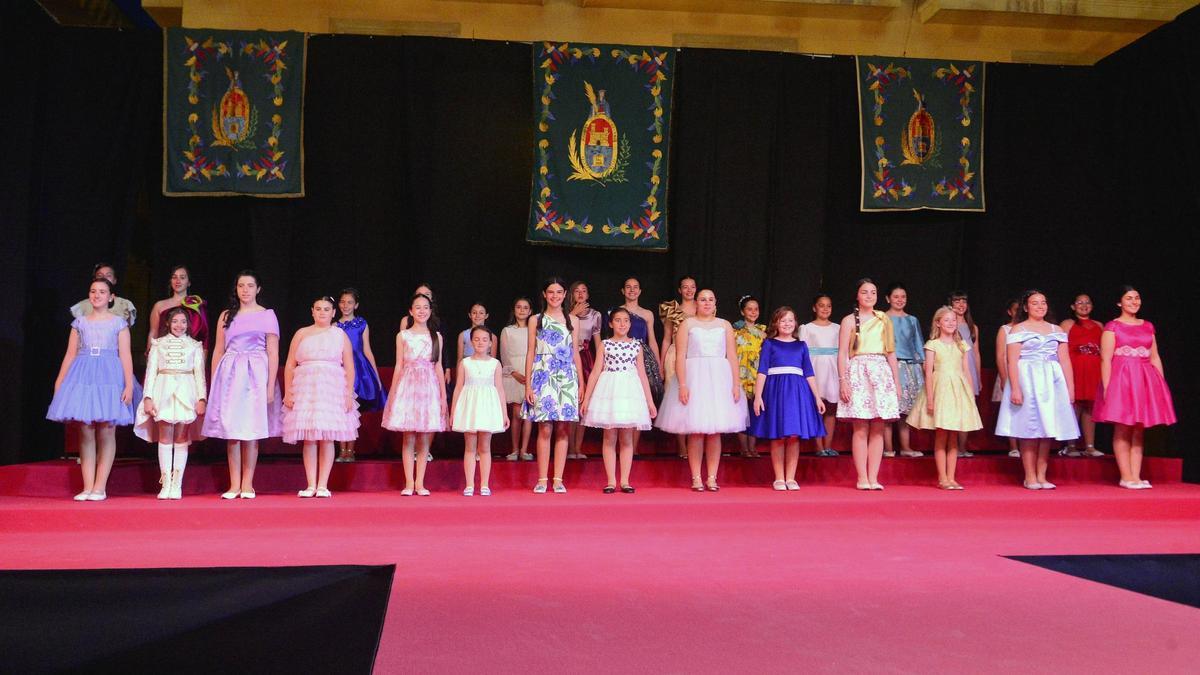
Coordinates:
748	337
554	380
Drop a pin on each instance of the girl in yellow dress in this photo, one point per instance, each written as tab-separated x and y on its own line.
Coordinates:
748	335
947	403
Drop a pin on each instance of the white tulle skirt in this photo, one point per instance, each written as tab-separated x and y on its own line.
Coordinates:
618	402
711	408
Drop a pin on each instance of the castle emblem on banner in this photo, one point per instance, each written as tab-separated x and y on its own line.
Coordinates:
599	157
234	118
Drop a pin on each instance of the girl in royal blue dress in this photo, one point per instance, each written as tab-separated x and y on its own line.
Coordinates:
787	405
367	385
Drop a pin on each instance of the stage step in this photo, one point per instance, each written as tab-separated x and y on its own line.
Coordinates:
61	478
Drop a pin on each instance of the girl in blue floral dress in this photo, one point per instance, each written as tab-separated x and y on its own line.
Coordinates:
552	388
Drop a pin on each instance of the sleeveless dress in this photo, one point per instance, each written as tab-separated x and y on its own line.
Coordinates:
197	315
873	392
367	385
1137	393
748	339
553	379
789	408
479	407
910	359
640	331
954	406
175	382
237	398
965	331
618	401
514	344
318	411
710	408
418	397
672	315
1083	342
91	390
822	344
998	388
589	328
1046	410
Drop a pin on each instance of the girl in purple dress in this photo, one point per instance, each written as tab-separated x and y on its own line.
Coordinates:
94	389
368	387
244	397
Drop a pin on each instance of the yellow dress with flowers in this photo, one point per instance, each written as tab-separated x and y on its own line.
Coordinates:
748	338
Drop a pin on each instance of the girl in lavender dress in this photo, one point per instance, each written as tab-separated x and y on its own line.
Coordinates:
244	400
94	389
367	385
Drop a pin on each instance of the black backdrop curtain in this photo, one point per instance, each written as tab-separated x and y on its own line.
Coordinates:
418	155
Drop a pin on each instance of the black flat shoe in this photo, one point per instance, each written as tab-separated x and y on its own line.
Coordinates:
628	489
608	489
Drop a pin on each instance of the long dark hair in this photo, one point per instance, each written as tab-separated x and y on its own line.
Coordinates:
512	313
406	321
1023	312
352	292
174	269
858	320
816	299
433	324
234	304
962	295
566	315
164	326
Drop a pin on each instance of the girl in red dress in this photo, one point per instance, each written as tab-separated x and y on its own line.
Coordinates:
1083	342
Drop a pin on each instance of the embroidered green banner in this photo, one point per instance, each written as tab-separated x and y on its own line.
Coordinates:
603	116
233	109
921	124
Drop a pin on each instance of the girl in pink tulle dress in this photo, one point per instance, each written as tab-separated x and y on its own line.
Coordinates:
319	406
1133	394
417	403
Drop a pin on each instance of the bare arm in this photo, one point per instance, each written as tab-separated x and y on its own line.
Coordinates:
591	383
498	380
760	381
399	367
641	370
367	349
681	363
218	345
459	378
1064	360
529	354
442	393
650	338
1013	354
272	365
348	366
1108	344
731	356
1155	360
123	348
289	368
930	358
68	358
459	343
843	357
1001	357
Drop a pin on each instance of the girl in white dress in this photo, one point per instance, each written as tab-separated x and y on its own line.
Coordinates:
821	336
514	342
704	399
618	398
478	411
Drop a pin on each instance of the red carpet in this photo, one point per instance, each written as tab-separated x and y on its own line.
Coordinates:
910	580
286	475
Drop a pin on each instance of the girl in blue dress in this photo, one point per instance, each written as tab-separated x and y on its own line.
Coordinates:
94	391
367	385
787	406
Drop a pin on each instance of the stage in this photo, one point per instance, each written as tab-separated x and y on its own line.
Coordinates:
912	579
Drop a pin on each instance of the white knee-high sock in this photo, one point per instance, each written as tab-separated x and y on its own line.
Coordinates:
181	455
164	458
